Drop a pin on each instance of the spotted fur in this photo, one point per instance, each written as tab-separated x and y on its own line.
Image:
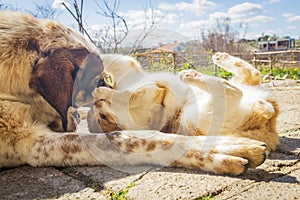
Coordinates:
194	105
43	66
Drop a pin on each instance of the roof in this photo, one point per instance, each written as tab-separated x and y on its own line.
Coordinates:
172	47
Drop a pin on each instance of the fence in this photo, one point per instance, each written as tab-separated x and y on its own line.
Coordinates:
175	61
280	59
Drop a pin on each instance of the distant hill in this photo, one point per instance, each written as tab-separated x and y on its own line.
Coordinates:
158	36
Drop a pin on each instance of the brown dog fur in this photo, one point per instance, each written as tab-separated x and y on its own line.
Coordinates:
45	68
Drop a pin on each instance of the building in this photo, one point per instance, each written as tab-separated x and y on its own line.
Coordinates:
280	44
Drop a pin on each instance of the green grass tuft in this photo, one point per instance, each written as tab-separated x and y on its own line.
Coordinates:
206	197
120	195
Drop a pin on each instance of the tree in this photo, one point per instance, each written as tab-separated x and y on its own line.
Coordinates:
44	11
151	22
5	6
77	14
110	37
223	37
118	28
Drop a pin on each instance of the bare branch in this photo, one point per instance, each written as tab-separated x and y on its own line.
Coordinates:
44	11
152	22
7	6
118	23
78	17
224	37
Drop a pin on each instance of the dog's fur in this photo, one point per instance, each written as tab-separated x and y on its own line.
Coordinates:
45	68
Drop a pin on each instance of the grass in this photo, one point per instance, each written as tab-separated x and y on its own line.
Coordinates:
206	197
120	195
290	73
67	170
95	186
297	44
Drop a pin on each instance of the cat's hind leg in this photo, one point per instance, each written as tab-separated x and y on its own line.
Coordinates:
210	84
244	73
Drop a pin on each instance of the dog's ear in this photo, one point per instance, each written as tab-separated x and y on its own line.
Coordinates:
54	75
87	79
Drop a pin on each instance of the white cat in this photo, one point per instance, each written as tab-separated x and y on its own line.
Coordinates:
188	104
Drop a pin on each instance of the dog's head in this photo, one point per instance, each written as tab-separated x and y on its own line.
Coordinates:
66	77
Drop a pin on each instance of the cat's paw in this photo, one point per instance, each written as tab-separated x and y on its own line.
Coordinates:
220	57
187	74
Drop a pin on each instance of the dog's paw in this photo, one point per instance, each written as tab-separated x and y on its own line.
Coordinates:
230	165
224	155
213	162
256	155
254	151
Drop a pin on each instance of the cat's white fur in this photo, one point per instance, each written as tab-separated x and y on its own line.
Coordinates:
188	103
30	49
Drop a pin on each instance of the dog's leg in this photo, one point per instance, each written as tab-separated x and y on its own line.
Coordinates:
223	155
244	73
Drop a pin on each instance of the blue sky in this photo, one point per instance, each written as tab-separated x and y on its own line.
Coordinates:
189	17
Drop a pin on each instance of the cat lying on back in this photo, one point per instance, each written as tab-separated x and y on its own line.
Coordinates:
189	103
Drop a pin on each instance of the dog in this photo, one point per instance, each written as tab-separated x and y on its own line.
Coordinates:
47	70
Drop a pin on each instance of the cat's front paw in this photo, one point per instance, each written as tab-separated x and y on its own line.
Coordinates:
220	57
188	74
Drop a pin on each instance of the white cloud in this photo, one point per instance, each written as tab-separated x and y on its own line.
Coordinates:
245	9
260	18
273	1
170	19
197	7
166	6
270	32
218	15
211	22
192	25
294	19
247	13
157	36
291	27
287	15
291	17
58	4
138	19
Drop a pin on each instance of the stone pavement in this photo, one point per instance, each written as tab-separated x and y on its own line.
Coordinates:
277	178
